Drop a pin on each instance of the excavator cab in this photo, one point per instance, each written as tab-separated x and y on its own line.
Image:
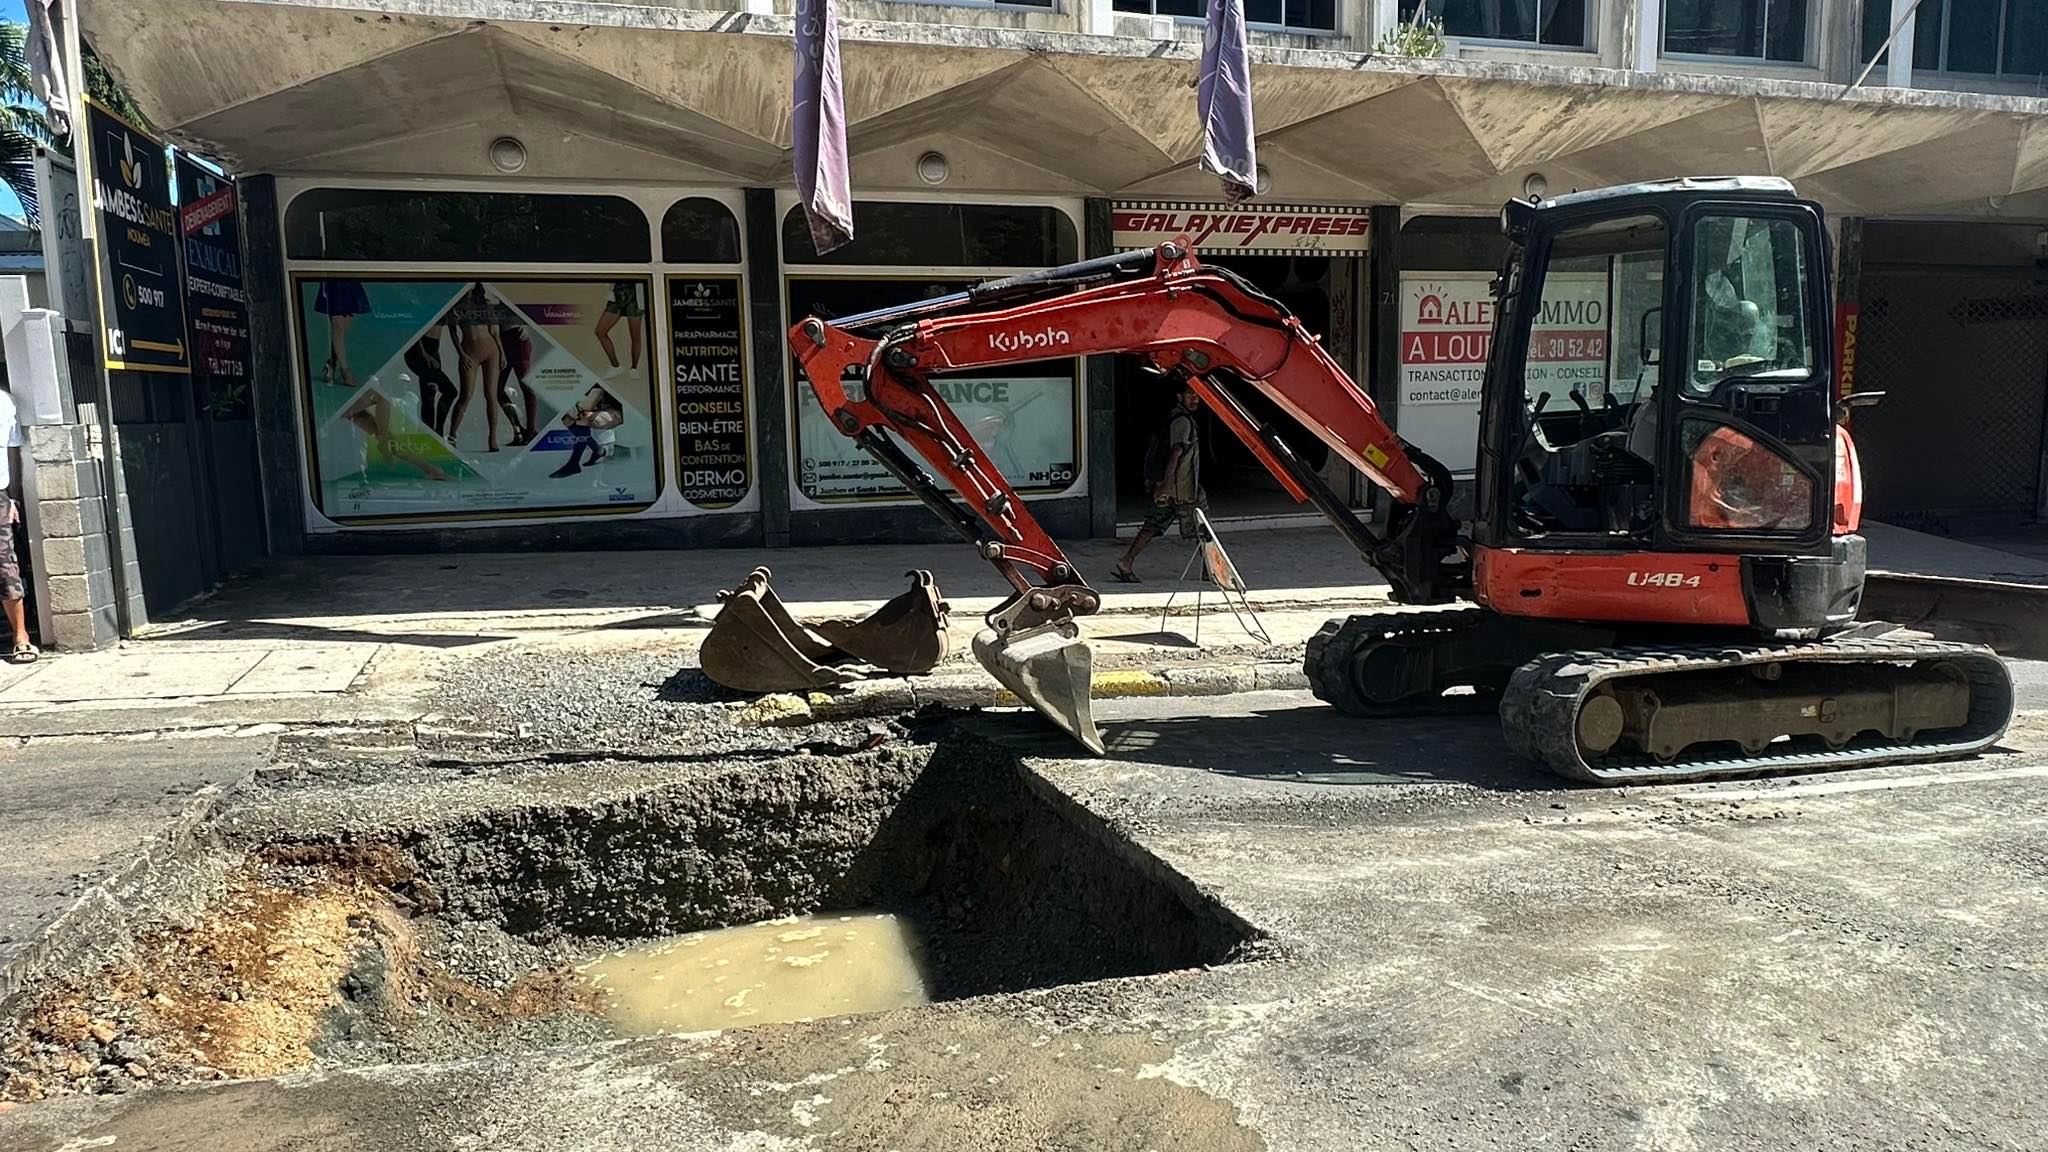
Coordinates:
1660	382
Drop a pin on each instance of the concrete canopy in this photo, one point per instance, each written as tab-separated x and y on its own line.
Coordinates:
612	92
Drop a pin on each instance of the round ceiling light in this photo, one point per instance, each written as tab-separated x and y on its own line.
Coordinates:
508	155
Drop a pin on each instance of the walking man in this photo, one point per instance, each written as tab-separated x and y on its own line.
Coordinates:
1173	467
19	650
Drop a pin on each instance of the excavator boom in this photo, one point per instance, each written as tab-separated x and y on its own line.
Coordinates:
1203	325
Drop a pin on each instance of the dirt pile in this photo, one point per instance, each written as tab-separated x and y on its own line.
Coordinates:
295	963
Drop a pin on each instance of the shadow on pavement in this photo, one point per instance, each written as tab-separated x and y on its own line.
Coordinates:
435	583
277	630
1297	745
1155	639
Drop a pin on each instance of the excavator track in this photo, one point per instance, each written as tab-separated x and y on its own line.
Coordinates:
1335	656
1694	712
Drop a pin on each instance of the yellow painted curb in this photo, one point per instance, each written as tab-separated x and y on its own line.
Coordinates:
1128	682
773	711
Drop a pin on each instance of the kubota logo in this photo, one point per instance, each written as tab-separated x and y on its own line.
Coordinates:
1022	341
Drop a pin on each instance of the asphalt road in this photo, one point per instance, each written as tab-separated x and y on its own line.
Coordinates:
72	809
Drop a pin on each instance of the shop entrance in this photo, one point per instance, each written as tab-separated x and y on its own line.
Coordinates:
1315	288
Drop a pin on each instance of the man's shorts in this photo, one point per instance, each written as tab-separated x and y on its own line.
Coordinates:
10	568
1168	511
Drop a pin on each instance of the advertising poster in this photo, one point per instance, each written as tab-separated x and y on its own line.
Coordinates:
137	230
1024	424
443	398
1447	332
211	223
714	465
1023	416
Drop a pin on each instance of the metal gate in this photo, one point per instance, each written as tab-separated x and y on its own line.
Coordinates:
1962	357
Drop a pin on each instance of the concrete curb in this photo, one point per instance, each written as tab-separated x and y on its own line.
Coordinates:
886	697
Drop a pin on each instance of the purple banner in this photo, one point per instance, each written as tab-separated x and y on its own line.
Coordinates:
1225	102
818	118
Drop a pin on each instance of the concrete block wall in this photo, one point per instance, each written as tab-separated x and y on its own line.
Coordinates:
68	545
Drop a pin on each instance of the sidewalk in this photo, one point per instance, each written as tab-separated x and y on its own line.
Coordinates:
365	639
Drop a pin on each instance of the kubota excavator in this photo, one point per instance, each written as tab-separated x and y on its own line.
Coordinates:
1662	574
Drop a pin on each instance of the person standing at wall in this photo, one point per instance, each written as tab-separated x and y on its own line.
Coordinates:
1173	468
19	650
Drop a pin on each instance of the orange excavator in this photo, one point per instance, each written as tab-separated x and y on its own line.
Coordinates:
1662	573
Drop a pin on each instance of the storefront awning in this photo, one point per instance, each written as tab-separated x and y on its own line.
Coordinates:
609	92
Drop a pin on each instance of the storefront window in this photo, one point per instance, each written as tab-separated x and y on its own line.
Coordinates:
1773	30
1288	15
415	225
929	235
1023	416
2003	38
442	398
699	230
1557	23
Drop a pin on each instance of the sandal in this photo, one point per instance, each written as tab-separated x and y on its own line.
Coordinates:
24	653
1124	575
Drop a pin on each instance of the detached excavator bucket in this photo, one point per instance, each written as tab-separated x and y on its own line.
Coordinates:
755	645
1049	668
906	636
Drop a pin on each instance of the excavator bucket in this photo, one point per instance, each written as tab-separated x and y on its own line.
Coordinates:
755	645
1049	668
907	636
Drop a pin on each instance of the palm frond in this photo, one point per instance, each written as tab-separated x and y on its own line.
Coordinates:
16	82
18	170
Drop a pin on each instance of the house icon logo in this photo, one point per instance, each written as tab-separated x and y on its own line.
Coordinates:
1431	309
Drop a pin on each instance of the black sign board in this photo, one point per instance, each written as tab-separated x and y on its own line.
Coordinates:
713	462
142	302
209	217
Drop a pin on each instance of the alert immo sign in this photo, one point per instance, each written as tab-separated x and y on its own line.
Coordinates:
1447	333
142	304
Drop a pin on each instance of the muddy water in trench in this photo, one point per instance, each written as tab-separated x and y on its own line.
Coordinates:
797	968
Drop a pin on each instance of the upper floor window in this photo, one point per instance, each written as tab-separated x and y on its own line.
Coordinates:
1773	30
2003	38
699	230
393	224
930	234
1286	15
1560	23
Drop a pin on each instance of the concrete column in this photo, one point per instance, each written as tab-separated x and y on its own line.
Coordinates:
1614	28
1384	283
771	363
1837	53
1097	17
63	516
1898	68
279	455
1099	379
1649	28
1382	16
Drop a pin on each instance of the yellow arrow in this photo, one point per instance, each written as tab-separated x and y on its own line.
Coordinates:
177	349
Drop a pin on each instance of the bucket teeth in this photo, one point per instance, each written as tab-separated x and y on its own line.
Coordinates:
755	645
906	636
1049	668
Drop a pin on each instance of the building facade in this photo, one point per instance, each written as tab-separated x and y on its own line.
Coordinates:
520	272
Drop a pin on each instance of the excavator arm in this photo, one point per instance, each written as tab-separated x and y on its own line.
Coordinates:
1206	326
